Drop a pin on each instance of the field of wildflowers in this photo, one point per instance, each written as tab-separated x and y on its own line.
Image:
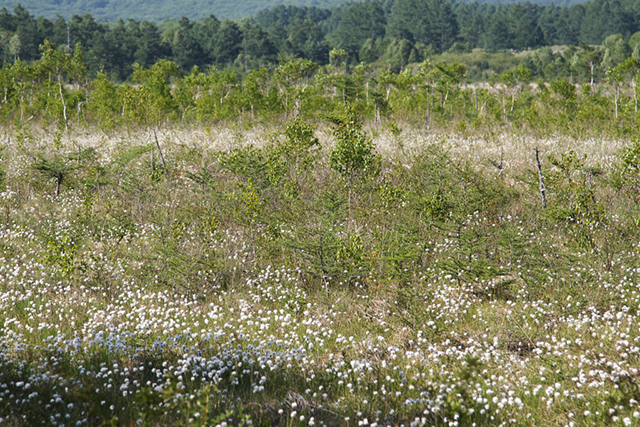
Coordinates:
335	276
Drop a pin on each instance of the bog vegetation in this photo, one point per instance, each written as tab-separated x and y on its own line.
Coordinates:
307	274
318	245
58	91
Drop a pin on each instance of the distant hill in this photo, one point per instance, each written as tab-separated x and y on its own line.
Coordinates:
539	2
159	10
156	10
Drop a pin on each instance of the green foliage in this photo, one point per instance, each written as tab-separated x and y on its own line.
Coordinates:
448	199
248	163
513	77
195	410
152	101
294	155
460	403
248	204
57	168
290	76
215	95
132	153
104	105
62	255
630	168
57	68
353	155
3	172
572	187
616	50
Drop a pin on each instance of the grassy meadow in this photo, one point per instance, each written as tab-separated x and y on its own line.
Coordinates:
327	274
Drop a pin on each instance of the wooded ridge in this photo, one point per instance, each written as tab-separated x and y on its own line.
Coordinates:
389	36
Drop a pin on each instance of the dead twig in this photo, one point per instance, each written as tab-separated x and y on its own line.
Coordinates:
543	191
164	165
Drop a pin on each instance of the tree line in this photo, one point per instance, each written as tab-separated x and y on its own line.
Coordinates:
58	90
388	33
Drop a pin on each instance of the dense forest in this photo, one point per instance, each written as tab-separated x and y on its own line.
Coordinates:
388	34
